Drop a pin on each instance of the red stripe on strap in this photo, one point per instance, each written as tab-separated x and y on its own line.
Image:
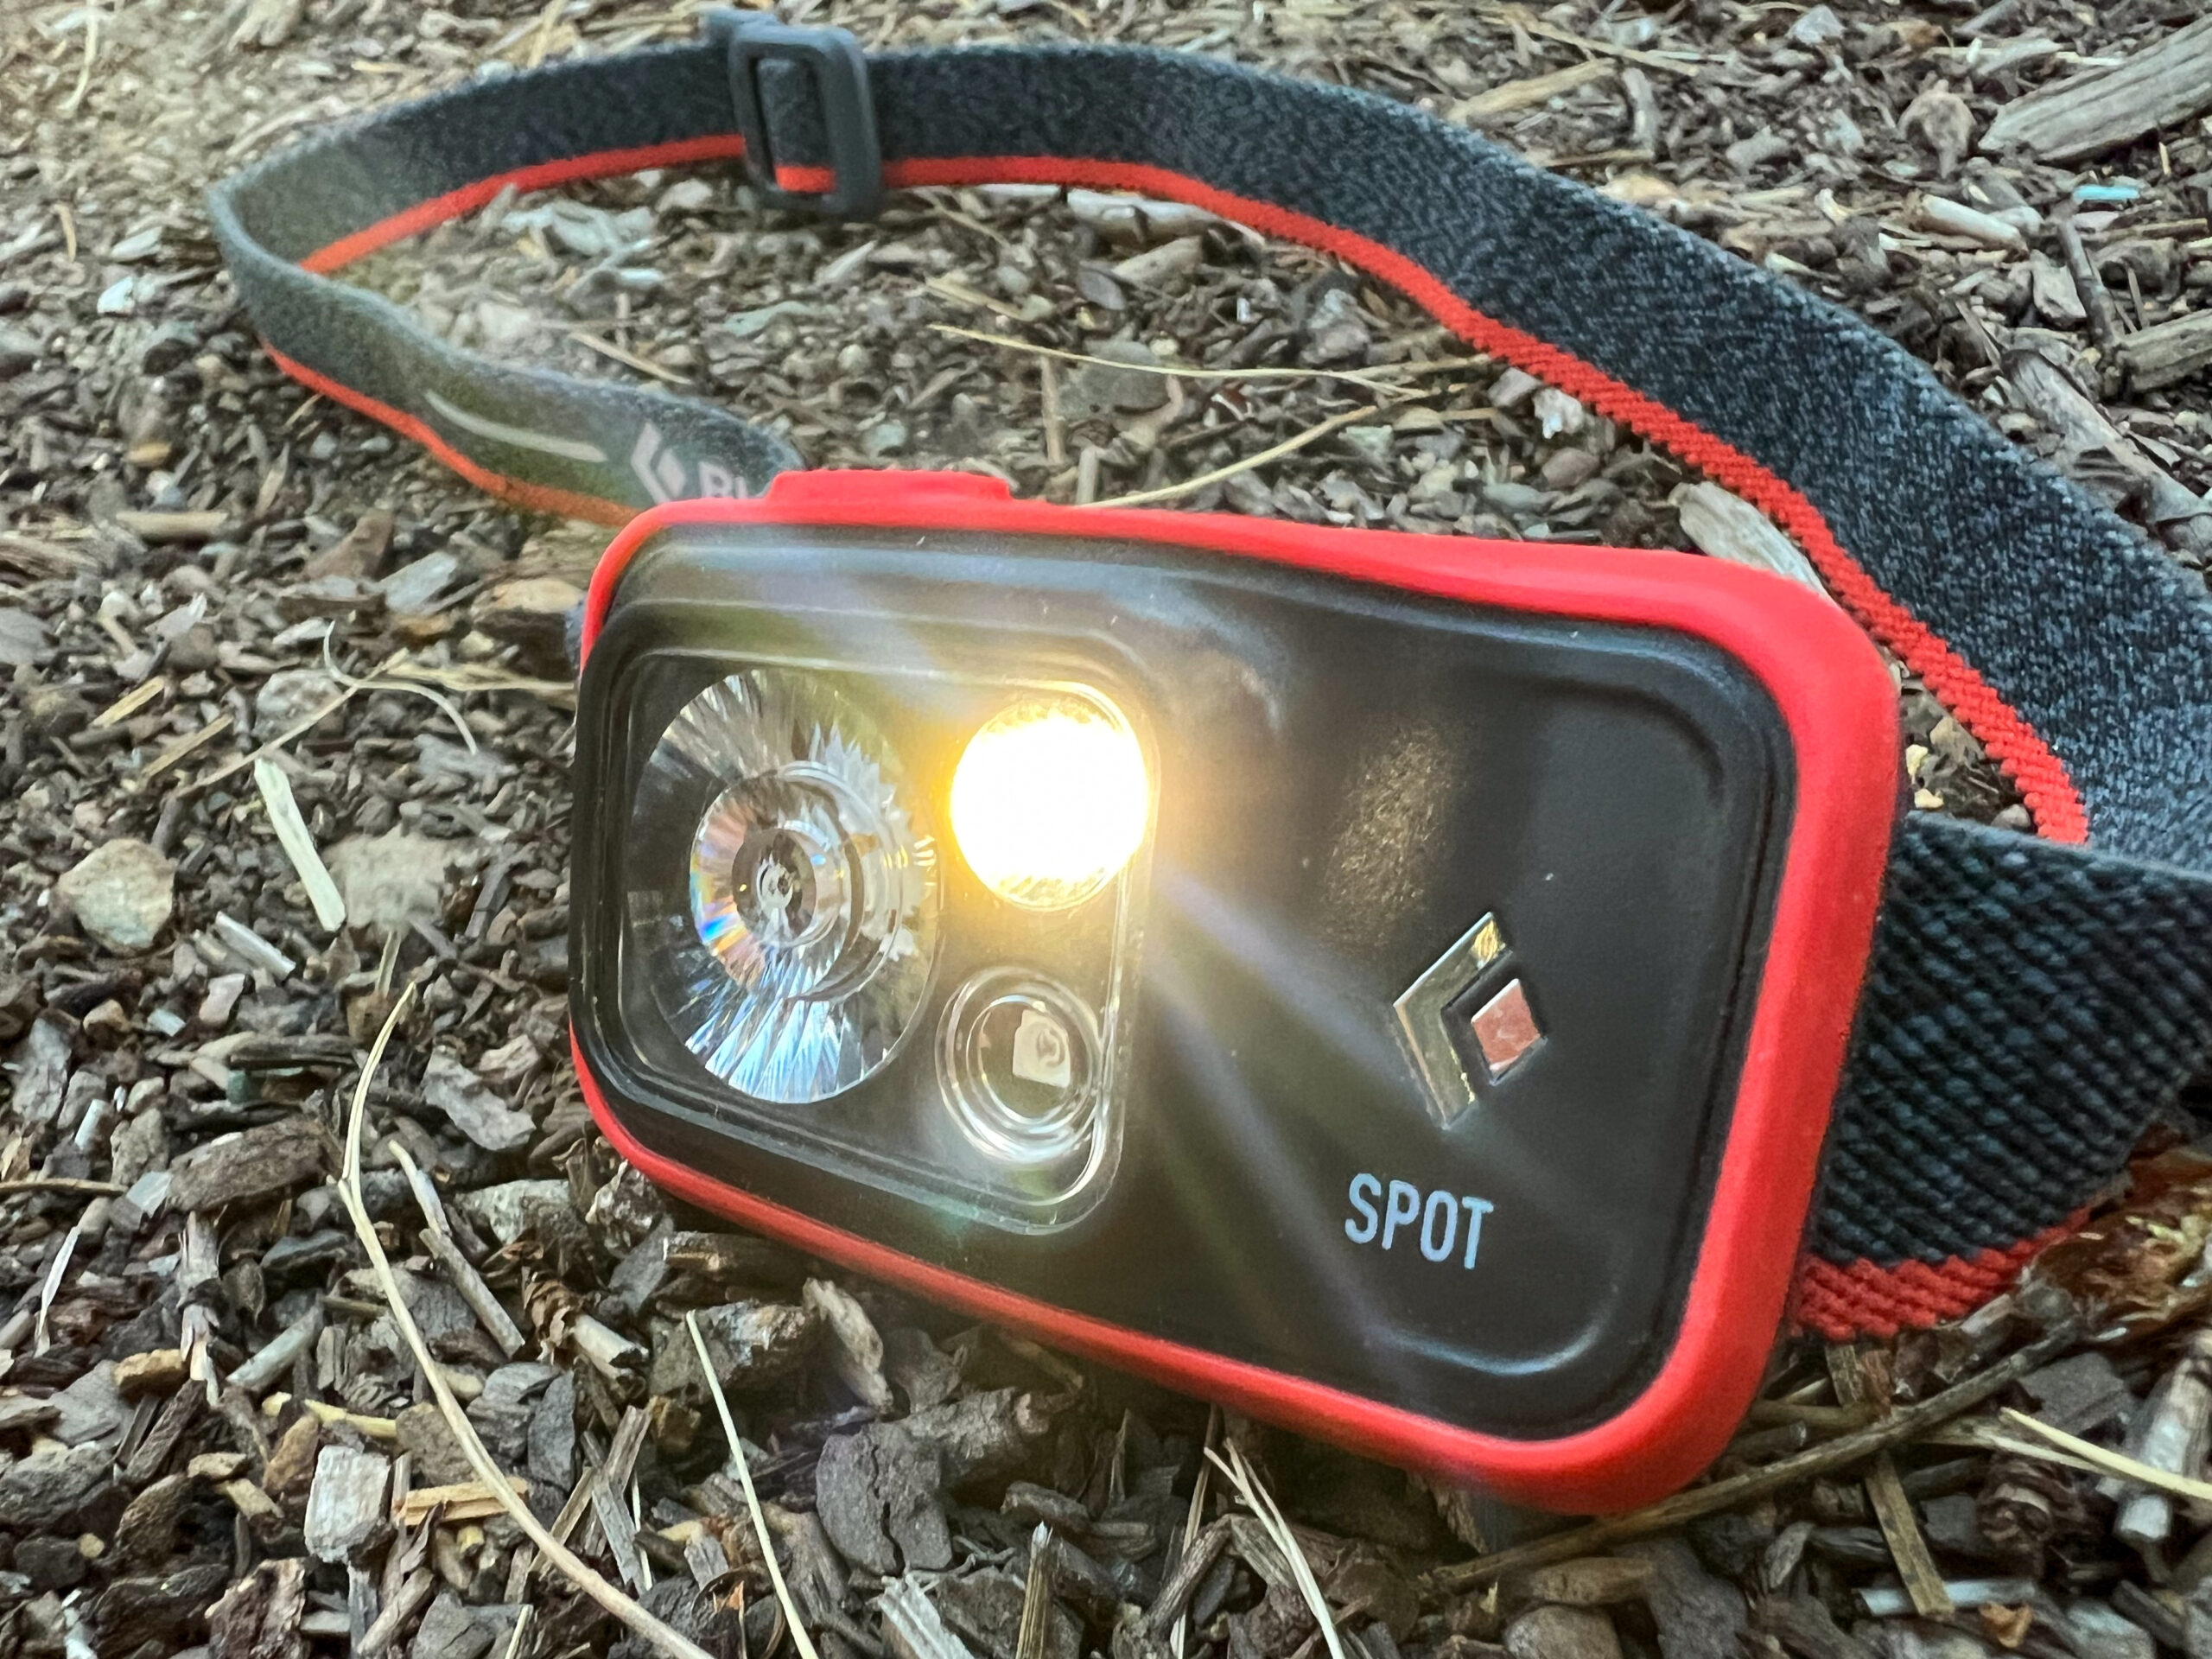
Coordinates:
1863	1299
426	215
2011	741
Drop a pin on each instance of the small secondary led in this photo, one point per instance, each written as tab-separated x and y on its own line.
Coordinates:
1050	801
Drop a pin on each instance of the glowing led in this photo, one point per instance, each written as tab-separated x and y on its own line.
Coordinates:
1050	800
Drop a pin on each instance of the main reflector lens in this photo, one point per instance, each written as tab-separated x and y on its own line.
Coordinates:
812	889
1050	800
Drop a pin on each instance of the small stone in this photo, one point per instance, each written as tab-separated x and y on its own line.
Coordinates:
1566	469
686	196
884	438
291	1469
51	1563
475	1110
46	1490
1562	1633
122	894
40	1065
19	349
289	696
388	881
437	1457
1095	388
415	588
1514	387
158	1372
1762	146
1519	499
221	1001
93	1408
22	638
346	1504
1337	330
1817	27
2098	1632
1561	414
194	651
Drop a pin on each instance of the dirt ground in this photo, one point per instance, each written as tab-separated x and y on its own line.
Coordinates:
228	606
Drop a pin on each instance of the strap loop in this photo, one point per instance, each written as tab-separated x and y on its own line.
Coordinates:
754	40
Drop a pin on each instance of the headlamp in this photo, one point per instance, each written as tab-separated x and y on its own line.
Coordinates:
1457	998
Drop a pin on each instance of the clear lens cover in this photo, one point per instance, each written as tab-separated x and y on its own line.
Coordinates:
806	962
804	946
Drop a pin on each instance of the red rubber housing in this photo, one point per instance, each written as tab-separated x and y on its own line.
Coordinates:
1840	710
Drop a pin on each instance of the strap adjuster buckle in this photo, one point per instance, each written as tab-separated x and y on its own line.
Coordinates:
833	57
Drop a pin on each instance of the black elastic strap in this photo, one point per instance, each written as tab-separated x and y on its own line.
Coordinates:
2030	1003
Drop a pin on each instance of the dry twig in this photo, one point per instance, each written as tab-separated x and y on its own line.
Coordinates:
1907	1423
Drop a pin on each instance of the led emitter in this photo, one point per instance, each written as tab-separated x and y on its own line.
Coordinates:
1050	800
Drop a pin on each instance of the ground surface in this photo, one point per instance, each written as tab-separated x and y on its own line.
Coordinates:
181	529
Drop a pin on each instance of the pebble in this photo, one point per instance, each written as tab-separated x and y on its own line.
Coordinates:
884	438
389	881
1155	266
1561	414
1096	386
1817	27
289	696
1562	1633
22	638
46	1490
122	894
19	349
475	1110
505	1211
1337	330
346	1504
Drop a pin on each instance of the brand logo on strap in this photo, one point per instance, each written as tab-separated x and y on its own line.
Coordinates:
666	475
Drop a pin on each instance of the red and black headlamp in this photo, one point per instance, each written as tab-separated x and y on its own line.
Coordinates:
1444	995
1395	984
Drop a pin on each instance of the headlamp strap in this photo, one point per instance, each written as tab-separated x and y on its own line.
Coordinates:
2030	1003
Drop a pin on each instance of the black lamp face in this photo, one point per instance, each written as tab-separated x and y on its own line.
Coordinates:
805	955
1400	1051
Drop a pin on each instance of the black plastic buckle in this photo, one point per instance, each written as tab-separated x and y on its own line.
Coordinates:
840	71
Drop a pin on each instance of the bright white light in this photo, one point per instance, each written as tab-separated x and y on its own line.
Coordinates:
1050	801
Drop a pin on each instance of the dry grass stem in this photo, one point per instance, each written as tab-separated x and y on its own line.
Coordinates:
1276	452
1257	1499
577	1571
1372	381
792	1620
2105	1461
